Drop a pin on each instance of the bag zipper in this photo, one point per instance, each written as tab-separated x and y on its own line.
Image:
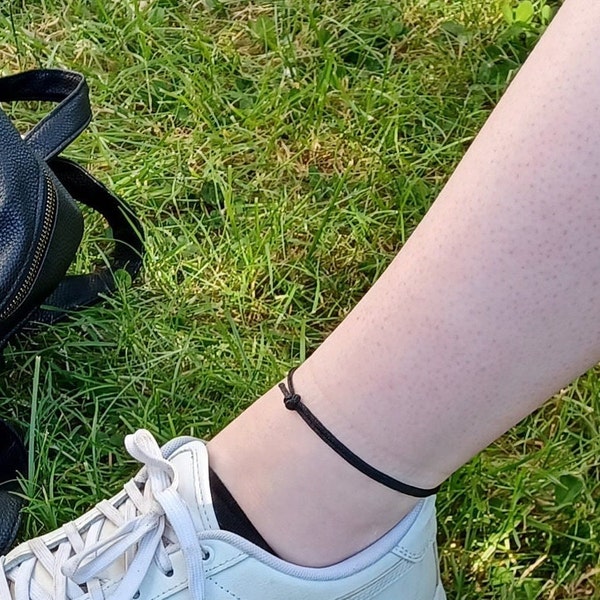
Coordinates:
39	254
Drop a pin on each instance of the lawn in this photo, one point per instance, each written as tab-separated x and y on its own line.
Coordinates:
279	154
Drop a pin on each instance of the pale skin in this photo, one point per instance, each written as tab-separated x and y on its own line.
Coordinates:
491	307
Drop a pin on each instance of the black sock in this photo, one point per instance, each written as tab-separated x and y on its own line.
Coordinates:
230	515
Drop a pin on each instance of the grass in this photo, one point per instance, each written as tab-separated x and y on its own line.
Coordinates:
279	155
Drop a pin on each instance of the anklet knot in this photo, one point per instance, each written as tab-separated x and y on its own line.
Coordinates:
291	402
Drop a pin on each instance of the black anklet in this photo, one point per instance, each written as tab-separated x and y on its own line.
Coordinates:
293	401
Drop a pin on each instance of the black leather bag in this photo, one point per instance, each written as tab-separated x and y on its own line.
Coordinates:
13	462
41	228
40	224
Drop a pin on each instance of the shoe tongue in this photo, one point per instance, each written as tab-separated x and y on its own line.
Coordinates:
190	462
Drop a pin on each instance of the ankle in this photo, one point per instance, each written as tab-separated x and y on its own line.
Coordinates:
310	506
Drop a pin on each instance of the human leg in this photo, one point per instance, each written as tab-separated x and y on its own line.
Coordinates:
492	305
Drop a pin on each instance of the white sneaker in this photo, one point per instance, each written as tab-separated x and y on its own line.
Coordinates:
159	540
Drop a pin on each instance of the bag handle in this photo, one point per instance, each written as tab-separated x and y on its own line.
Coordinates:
76	291
66	121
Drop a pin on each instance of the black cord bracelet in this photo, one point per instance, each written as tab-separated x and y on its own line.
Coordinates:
293	401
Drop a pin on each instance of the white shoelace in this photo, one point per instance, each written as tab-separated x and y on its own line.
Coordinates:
147	523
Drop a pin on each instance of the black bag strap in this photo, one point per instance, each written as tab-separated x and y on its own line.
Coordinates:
76	291
66	121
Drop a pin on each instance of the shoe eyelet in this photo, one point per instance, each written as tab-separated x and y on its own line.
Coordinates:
136	595
170	573
207	553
